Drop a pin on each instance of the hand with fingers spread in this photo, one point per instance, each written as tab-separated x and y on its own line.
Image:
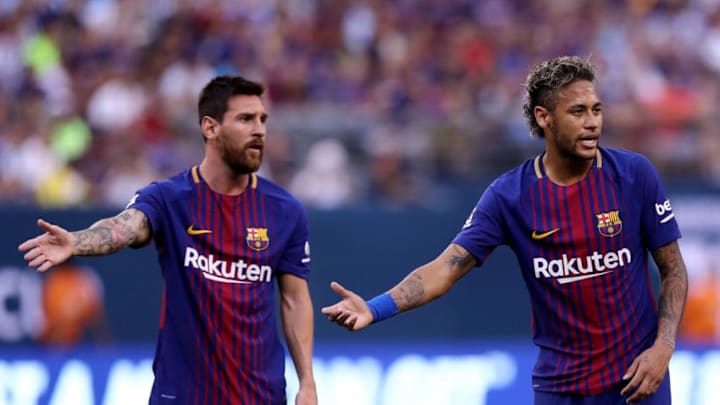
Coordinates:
49	249
646	373
352	312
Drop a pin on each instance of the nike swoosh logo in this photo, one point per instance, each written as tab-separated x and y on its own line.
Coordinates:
194	232
573	279
538	236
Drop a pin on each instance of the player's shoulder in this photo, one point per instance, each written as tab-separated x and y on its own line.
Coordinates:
625	162
274	191
511	182
622	156
178	184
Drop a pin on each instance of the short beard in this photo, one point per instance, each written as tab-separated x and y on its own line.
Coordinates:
236	161
568	151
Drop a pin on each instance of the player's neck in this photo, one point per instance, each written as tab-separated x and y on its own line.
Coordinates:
565	171
221	179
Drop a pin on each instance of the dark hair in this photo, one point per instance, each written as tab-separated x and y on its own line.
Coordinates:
547	78
214	97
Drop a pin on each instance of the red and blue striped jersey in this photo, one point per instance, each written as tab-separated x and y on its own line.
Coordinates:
220	256
583	253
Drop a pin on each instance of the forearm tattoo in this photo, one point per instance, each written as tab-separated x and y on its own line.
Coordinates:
673	291
111	234
410	292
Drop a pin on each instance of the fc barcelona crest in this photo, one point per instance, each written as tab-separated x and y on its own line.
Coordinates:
609	223
257	238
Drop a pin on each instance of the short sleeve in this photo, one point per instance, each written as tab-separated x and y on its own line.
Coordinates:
148	200
296	256
659	226
484	230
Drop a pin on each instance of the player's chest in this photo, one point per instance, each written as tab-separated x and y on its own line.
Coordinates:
235	252
580	215
234	235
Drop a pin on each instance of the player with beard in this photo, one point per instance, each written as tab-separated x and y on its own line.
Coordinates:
581	220
224	237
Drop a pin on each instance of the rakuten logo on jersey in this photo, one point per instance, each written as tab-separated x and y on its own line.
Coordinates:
224	271
571	269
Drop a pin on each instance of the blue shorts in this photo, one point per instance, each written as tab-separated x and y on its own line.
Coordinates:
611	397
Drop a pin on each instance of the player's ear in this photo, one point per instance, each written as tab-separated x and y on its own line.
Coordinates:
210	127
542	116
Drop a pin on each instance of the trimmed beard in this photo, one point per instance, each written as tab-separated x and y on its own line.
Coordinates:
566	149
238	162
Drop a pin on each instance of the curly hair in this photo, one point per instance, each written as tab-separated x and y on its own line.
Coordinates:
547	78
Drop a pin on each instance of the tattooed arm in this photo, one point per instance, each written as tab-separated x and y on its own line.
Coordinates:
648	369
673	291
129	228
433	279
421	286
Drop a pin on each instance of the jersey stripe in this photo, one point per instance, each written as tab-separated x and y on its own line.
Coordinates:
591	298
604	285
233	388
204	299
551	215
265	253
603	312
219	210
248	326
624	310
599	287
533	197
611	281
574	294
258	348
542	216
620	308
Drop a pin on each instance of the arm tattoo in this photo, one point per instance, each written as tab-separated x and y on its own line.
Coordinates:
111	234
673	291
409	292
412	292
460	261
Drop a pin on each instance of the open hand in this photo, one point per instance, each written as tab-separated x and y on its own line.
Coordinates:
49	249
352	312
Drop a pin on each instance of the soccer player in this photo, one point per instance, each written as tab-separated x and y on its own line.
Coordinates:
581	219
224	236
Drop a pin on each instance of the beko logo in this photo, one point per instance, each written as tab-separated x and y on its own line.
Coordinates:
664	211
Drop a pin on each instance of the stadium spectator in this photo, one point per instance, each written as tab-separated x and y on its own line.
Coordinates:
350	67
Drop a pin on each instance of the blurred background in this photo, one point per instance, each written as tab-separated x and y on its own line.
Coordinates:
387	119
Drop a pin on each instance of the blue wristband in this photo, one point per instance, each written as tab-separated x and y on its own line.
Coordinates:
382	307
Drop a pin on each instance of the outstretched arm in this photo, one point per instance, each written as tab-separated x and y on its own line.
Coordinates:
108	235
421	286
648	369
297	318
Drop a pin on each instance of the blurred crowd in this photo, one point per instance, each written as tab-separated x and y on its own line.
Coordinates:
371	101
